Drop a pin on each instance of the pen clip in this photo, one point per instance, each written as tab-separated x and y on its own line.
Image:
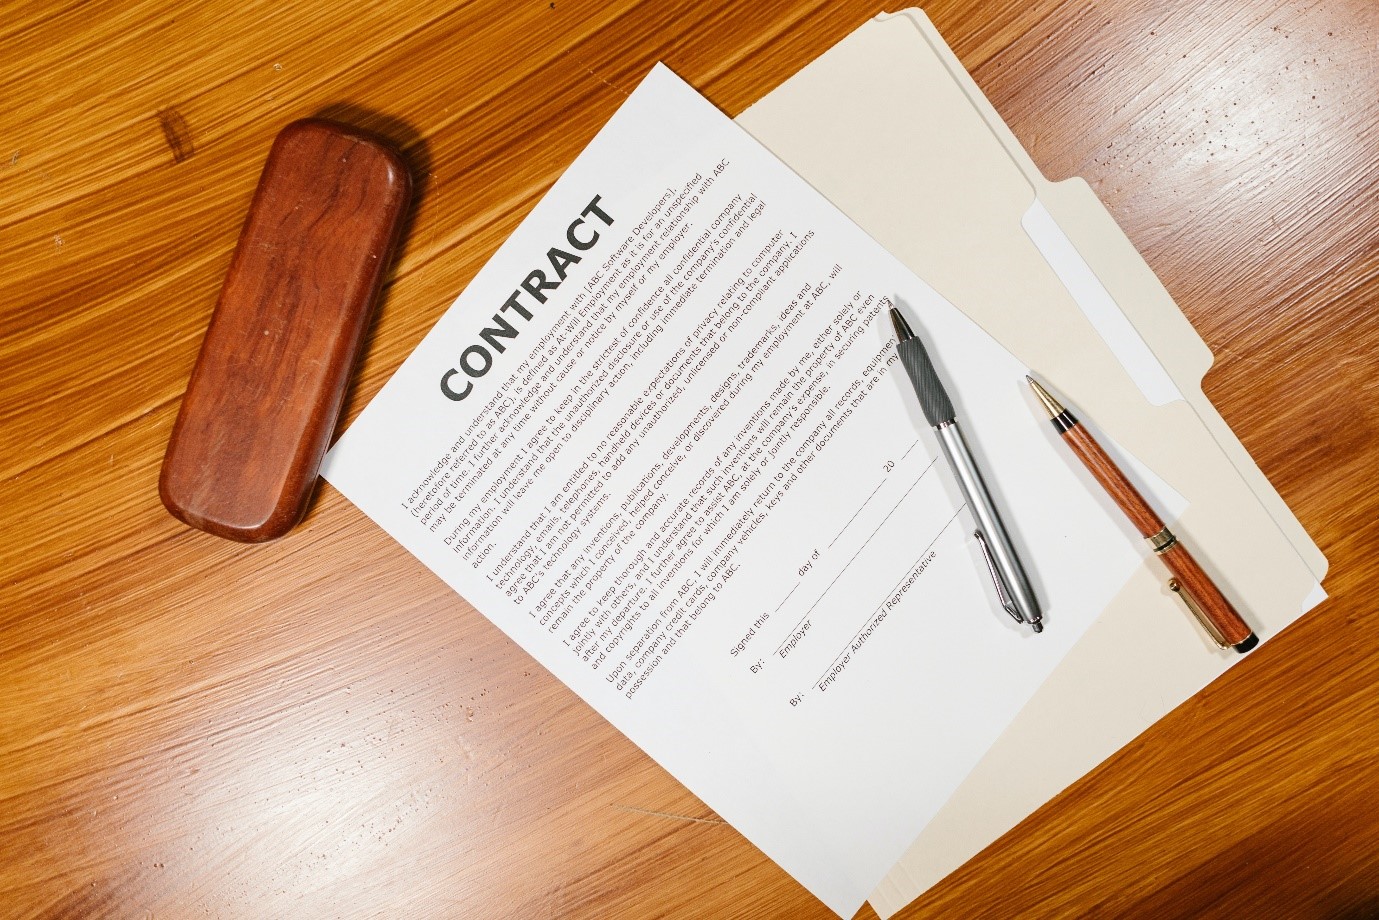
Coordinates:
1002	594
1181	590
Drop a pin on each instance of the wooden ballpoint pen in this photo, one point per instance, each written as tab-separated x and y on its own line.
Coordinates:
1190	582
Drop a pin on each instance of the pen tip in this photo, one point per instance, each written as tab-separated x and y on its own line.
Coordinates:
903	332
1037	626
1052	406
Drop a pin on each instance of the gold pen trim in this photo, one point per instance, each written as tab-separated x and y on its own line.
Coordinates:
1162	542
1180	590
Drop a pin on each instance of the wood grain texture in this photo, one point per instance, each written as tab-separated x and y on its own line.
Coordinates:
319	728
1104	470
1218	616
279	353
1213	609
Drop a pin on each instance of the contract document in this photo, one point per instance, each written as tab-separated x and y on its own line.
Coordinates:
664	442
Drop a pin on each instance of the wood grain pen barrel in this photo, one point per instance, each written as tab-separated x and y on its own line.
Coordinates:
1190	582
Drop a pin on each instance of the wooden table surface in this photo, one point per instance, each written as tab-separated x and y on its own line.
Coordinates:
319	728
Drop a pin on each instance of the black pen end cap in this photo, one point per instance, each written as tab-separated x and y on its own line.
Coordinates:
1246	644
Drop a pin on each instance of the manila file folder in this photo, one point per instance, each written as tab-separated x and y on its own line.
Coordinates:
891	128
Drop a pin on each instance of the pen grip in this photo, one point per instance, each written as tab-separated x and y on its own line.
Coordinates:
1222	618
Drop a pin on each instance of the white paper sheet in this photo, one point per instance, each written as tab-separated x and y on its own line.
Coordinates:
688	477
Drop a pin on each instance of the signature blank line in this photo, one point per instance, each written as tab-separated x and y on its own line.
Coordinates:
893	587
857	512
864	545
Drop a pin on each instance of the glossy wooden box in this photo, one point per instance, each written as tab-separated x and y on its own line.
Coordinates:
267	388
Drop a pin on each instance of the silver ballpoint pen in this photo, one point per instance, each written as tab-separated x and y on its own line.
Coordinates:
1012	585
